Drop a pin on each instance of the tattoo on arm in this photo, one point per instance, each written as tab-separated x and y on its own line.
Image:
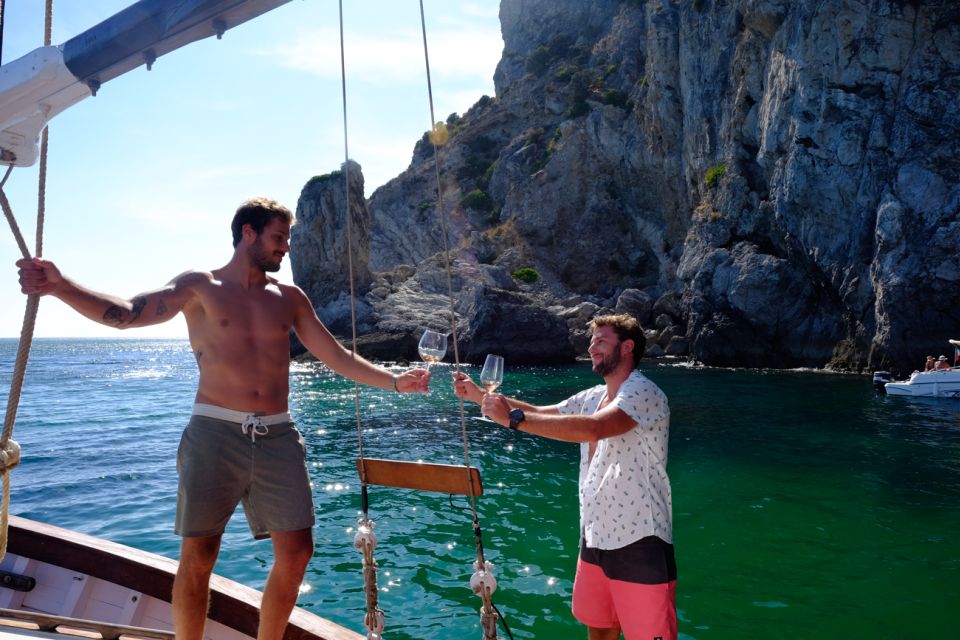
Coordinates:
118	316
138	304
161	307
113	315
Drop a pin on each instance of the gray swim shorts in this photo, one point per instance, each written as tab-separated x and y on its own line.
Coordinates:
226	457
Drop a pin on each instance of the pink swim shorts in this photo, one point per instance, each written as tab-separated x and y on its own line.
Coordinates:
632	587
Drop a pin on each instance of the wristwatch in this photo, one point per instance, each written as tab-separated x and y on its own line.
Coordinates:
516	417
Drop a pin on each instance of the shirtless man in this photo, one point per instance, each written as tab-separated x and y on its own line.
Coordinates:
238	320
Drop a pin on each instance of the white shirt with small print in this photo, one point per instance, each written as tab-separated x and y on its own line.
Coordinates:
624	489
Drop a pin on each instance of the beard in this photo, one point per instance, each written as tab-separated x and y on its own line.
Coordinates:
608	363
266	262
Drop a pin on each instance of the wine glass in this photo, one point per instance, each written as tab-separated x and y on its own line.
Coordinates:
491	376
433	347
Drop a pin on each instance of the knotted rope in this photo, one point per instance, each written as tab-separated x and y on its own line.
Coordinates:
365	542
9	449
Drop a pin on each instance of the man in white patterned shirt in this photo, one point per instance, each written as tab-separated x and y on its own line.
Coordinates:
626	572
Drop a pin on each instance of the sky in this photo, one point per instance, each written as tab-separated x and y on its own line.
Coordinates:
143	178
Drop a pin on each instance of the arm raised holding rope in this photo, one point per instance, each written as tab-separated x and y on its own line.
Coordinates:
42	277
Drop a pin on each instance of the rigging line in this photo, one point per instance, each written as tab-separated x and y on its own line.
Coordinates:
479	582
42	191
353	306
11	220
365	541
48	24
8	212
446	255
44	138
9	449
435	133
503	621
26	333
2	13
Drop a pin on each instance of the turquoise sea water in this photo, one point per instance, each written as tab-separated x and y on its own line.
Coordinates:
805	505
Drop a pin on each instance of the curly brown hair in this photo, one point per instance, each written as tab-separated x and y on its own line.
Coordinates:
258	212
627	328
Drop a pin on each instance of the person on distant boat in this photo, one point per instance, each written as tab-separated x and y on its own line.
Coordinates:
626	571
240	444
931	364
942	364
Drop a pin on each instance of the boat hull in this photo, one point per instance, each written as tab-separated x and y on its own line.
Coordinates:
88	578
928	384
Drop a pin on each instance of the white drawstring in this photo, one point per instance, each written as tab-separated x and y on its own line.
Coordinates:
254	426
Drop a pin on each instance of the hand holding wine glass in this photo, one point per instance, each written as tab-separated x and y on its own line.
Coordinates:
491	376
433	347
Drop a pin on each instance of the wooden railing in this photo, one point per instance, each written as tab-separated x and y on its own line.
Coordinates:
77	627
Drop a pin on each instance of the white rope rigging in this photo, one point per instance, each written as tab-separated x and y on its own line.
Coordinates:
365	541
483	582
9	449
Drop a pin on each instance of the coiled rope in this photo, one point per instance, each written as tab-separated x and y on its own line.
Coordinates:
9	449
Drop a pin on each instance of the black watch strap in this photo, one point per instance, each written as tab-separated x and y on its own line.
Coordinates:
516	417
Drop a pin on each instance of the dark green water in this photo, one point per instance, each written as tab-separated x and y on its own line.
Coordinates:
805	505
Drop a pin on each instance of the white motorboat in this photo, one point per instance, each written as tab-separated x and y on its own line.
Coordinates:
942	383
937	384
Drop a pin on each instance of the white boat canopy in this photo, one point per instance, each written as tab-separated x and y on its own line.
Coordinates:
44	82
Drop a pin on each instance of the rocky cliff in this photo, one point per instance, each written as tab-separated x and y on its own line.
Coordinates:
762	182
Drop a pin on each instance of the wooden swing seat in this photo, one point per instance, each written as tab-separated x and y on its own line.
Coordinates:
422	476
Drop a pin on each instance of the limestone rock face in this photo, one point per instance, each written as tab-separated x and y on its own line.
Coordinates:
826	237
321	247
506	323
767	183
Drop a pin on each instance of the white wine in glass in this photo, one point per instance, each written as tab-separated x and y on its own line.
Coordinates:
491	376
433	347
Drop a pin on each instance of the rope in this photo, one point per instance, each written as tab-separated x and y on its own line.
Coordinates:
9	449
8	212
2	14
364	541
346	195
48	23
483	582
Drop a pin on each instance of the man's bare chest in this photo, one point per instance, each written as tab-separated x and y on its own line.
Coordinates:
248	311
